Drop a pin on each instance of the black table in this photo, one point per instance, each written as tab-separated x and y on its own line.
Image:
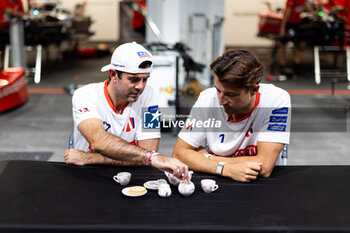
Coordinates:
55	197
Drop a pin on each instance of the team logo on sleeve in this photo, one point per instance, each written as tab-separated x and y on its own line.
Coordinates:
151	118
84	110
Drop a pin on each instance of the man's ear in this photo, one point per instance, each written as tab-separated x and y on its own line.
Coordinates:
112	74
255	89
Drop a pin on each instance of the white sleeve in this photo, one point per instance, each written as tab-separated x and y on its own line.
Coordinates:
85	106
276	126
190	134
150	104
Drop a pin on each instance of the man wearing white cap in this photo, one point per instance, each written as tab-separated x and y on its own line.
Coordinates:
108	116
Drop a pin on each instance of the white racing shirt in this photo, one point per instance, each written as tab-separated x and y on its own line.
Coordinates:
269	121
92	101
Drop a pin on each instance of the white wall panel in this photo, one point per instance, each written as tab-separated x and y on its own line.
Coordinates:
105	16
242	18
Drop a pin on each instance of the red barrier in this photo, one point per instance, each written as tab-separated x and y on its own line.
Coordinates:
13	88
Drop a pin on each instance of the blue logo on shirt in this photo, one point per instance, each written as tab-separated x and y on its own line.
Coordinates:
107	126
276	127
280	111
278	119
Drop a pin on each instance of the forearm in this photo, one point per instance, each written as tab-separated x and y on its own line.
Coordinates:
78	157
266	167
150	145
117	149
195	160
108	144
109	161
268	153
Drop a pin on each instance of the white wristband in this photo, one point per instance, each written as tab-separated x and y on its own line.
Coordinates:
220	168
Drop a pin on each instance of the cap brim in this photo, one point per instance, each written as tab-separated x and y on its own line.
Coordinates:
105	68
128	70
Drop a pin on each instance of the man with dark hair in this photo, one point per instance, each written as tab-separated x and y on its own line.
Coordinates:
251	122
108	126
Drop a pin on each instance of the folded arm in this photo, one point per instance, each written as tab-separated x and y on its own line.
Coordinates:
245	171
108	145
110	149
81	158
267	154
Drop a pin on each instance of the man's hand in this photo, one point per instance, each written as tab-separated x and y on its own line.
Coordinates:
171	165
244	171
77	157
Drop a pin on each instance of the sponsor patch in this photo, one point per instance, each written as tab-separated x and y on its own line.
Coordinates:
280	111
153	108
278	119
276	127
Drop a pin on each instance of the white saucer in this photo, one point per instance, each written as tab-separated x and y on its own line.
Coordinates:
154	184
125	191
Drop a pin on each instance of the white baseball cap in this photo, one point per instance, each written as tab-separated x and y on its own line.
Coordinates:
128	57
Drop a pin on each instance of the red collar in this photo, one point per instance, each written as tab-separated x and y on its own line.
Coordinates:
110	103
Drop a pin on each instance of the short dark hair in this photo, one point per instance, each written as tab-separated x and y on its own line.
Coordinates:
238	67
119	73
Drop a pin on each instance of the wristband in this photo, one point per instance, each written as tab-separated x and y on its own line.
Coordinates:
150	158
220	168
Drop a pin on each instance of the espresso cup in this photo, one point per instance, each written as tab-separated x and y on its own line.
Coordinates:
209	185
122	178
